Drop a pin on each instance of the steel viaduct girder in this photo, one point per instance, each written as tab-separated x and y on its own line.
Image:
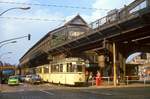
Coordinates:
112	32
130	48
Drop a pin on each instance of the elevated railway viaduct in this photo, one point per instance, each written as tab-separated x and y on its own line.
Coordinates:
111	39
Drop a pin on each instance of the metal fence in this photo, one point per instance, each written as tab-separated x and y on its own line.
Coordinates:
128	80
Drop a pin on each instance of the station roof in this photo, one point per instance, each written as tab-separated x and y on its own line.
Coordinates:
77	20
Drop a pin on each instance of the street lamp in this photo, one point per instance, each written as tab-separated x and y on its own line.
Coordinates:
7	43
22	8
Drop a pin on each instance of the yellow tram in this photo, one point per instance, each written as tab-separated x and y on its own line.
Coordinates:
68	71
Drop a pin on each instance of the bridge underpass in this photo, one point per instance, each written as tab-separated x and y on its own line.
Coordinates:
125	32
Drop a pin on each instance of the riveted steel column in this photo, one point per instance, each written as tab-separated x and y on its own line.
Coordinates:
148	3
114	64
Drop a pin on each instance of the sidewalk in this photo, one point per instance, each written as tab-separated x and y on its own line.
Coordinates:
121	85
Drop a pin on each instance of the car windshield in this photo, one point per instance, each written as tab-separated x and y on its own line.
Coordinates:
35	76
13	77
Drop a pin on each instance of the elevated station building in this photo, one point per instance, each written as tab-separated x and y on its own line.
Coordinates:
42	52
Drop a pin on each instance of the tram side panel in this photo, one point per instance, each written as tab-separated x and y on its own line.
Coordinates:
46	73
75	78
65	72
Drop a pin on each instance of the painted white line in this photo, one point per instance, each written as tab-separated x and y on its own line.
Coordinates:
50	93
96	92
108	94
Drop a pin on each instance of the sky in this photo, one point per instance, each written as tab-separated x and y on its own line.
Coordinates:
49	18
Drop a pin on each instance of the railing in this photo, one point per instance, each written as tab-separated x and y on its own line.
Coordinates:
137	79
123	14
131	79
116	16
128	80
119	15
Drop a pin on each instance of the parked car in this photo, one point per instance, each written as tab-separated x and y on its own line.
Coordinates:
13	80
22	78
35	79
27	78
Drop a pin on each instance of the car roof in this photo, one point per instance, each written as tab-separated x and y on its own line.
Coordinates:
12	76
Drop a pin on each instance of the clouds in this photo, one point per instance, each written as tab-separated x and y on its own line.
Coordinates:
107	4
12	28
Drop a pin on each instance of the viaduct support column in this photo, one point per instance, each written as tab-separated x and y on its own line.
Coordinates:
148	3
122	65
114	65
101	63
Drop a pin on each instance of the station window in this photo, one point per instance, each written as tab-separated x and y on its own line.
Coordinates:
75	33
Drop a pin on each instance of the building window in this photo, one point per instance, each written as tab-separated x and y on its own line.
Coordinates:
75	33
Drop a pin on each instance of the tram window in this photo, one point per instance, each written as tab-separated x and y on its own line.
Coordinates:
46	70
39	70
55	68
61	67
79	68
70	67
52	68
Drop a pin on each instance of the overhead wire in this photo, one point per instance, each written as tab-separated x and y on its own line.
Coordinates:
54	5
34	19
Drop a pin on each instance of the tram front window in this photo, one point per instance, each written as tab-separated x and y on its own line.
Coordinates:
78	68
74	68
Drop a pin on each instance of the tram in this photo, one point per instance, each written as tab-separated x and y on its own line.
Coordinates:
67	71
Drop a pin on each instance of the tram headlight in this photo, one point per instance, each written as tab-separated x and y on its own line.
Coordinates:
83	63
80	79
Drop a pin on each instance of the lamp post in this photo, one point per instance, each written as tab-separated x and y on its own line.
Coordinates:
22	8
7	43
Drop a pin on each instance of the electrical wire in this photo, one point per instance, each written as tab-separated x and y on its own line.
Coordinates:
54	5
34	19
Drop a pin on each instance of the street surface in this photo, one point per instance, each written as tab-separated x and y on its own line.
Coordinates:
48	91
